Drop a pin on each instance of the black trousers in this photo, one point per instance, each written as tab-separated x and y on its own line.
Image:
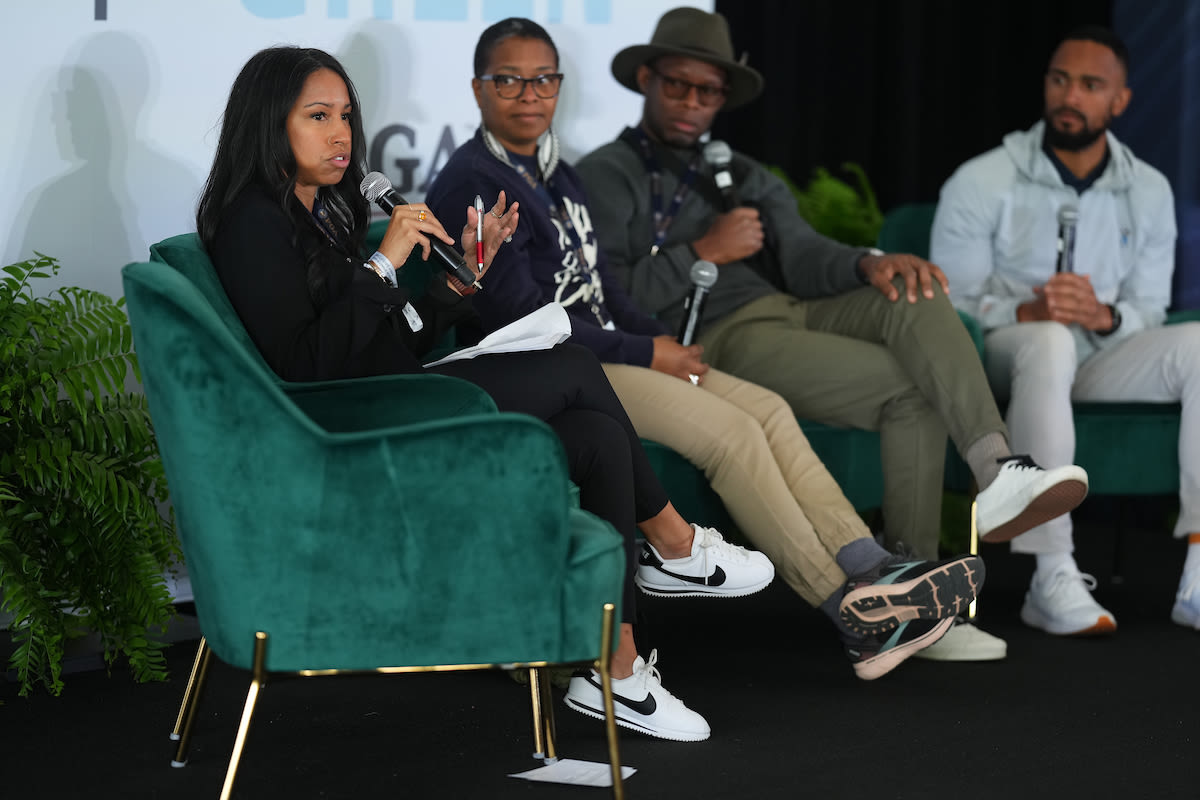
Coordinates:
567	389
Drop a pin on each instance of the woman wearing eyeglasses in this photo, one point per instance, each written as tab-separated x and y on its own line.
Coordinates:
744	437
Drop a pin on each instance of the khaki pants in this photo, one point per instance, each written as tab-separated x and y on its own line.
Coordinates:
746	440
907	370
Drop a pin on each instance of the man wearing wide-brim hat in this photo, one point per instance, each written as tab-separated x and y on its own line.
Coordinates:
850	336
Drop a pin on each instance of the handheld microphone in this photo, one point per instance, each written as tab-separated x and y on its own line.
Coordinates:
703	275
378	189
718	155
1068	216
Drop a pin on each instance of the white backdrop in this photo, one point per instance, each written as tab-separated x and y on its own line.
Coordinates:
115	104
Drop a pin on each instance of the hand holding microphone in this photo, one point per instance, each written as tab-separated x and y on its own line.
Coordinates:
425	231
738	232
681	362
704	276
1068	218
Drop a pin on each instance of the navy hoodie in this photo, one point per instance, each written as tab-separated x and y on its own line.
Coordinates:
543	263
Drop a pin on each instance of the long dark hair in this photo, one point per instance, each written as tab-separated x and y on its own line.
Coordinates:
254	149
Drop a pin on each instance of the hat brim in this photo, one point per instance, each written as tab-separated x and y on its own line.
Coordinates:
745	83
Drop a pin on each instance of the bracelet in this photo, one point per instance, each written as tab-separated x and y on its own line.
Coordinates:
1116	321
382	265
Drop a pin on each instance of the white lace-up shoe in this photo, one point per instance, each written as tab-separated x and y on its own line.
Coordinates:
715	568
1024	495
965	642
1187	602
640	703
1061	603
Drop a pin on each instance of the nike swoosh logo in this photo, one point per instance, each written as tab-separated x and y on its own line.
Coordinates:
716	579
645	707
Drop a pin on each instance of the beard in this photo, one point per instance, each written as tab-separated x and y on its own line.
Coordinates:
1072	142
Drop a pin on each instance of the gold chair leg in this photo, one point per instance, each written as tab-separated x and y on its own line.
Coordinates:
256	685
535	703
604	667
543	716
191	703
548	730
974	550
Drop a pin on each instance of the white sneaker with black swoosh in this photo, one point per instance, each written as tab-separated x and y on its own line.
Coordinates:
640	703
715	568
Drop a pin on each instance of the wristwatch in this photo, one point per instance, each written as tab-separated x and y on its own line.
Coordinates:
871	251
1116	321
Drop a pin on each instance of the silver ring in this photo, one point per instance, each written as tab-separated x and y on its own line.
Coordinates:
694	378
494	214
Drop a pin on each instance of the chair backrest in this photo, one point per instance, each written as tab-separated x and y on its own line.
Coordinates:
186	255
906	229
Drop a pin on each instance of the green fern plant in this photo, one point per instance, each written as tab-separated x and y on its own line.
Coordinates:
835	208
83	544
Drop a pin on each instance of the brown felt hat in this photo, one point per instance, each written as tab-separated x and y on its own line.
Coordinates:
696	34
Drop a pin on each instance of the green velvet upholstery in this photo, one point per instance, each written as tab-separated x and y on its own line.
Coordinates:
358	535
1108	436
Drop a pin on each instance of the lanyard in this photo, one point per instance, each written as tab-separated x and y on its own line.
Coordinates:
546	193
556	210
662	221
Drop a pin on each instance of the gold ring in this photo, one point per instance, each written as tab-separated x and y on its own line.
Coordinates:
421	216
497	216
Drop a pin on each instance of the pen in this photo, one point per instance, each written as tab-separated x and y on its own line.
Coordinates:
479	231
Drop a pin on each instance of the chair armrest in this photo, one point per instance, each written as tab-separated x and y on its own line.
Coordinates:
974	329
459	526
1190	315
385	401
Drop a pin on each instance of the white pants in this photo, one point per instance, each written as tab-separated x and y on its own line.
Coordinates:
1040	368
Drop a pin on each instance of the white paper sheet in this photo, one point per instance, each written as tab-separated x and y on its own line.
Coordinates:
575	772
538	330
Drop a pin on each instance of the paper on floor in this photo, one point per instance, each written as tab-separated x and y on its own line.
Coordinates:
576	772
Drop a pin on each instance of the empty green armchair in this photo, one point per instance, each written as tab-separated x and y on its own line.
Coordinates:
359	525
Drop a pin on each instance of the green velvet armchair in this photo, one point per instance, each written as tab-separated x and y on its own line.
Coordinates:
327	528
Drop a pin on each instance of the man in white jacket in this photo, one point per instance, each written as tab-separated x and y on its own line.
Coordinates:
1053	336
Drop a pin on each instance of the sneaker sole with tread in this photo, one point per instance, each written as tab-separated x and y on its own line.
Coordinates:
698	590
890	659
1059	499
1103	626
943	593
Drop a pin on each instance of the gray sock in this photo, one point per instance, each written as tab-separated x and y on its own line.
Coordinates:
860	556
983	456
856	558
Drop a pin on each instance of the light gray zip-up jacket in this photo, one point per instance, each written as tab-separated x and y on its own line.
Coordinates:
995	234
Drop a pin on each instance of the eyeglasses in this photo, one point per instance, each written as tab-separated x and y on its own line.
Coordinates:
676	89
510	87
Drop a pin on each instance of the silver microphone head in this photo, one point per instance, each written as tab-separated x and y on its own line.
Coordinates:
717	153
1068	215
704	274
374	185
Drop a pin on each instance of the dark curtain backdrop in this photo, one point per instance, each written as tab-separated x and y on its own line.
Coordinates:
906	88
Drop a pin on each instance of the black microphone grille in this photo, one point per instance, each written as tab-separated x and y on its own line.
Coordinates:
1068	215
704	274
717	153
374	186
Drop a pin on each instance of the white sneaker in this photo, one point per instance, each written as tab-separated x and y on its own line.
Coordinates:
640	703
1187	603
715	568
1061	603
1025	495
965	642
